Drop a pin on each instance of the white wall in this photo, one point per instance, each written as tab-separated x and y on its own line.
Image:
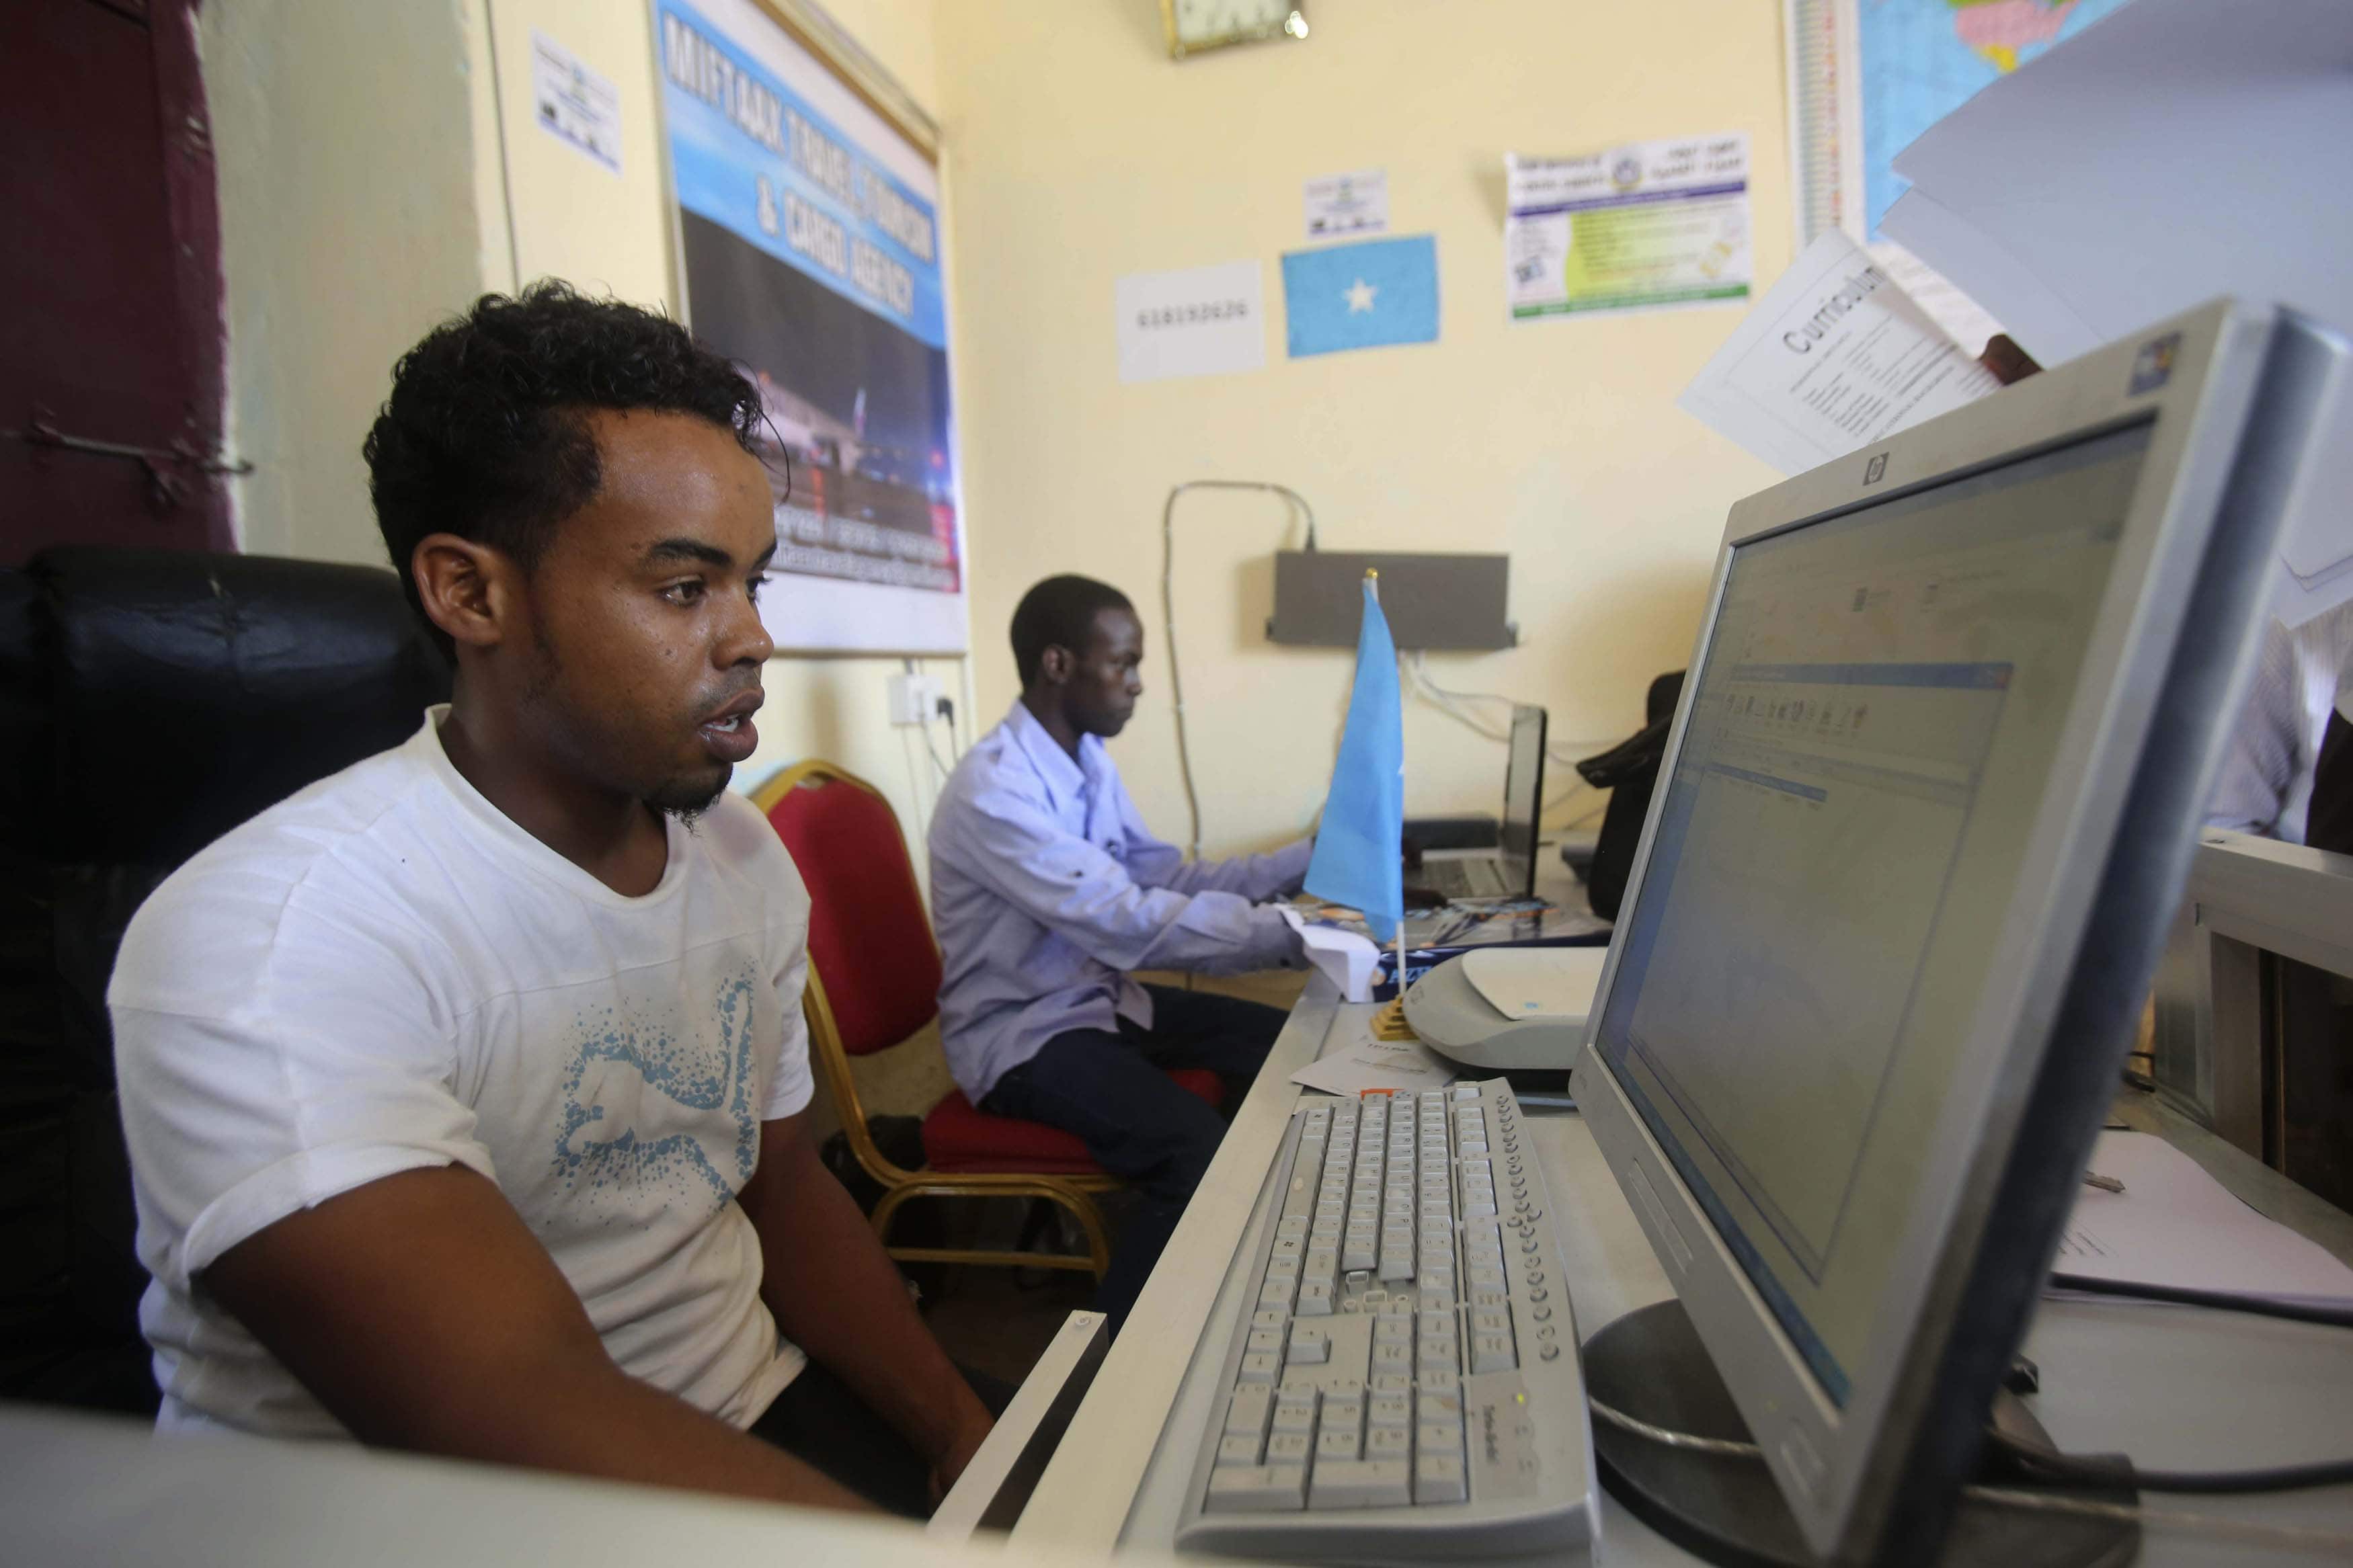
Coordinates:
345	150
1079	152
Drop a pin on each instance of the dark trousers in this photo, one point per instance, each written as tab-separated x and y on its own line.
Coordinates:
818	1421
1112	1088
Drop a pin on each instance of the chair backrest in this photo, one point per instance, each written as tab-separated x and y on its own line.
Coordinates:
869	942
150	701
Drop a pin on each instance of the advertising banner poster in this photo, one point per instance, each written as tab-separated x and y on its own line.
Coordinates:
809	249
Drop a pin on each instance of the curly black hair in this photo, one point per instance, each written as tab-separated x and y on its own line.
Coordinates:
482	435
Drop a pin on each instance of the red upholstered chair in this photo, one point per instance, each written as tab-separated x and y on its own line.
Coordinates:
873	984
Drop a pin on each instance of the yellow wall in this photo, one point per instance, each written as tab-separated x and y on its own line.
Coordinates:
1078	153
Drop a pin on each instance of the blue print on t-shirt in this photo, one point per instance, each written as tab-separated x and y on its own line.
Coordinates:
639	1104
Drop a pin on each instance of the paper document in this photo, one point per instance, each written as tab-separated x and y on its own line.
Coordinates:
2175	1224
1346	958
1354	1061
1834	358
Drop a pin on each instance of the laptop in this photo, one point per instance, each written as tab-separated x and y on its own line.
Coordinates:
1508	870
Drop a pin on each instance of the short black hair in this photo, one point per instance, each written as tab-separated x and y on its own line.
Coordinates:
1058	613
482	435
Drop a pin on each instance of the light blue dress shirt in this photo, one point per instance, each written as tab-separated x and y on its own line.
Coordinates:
1047	891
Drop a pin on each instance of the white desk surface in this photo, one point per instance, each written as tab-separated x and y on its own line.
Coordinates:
2177	1388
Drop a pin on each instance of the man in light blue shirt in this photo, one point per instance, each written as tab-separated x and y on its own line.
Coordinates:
1048	892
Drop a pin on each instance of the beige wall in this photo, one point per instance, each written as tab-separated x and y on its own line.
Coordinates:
346	160
1079	152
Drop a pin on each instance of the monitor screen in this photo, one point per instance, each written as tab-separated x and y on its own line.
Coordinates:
1872	730
1524	798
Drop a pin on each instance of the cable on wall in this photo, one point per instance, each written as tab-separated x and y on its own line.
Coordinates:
1168	617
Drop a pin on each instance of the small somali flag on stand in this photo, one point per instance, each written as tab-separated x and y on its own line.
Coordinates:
1362	295
1359	855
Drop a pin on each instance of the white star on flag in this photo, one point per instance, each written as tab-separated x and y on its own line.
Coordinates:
1360	297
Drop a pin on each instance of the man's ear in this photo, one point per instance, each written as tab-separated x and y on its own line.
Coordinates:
1054	665
471	591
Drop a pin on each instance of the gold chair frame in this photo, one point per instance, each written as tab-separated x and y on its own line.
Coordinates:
1073	1194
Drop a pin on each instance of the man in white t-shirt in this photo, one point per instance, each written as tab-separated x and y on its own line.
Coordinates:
466	1090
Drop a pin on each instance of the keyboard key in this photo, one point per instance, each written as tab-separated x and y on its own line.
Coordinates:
1389	1410
1311	1345
1390	1382
1241	1449
1361	1483
1434	1350
1270	1317
1265	1339
1491	1321
1439	1436
1358	1252
1315	1298
1295	1414
1386	1443
1247	1411
1290	1226
1288	1448
1259	1366
1276	1291
1400	1358
1438	1477
1336	1443
1441	1389
1492	1352
1388	1331
1282	1266
1396	1267
1256	1489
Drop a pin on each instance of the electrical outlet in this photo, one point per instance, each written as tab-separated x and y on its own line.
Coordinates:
915	697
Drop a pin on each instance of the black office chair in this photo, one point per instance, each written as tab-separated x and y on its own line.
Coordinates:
150	700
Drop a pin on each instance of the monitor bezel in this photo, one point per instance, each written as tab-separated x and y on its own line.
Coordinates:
2171	645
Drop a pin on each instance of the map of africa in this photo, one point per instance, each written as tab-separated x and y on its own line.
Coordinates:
1924	59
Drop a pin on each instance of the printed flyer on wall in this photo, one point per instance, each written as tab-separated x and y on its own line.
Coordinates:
1635	227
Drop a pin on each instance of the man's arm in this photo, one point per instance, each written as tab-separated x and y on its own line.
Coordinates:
836	1293
423	1315
1064	883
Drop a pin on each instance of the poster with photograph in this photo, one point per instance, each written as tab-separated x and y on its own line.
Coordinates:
808	247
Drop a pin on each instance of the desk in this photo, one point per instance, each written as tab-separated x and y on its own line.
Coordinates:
2177	1388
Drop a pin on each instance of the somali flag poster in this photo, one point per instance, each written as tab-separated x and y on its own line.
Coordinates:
1369	295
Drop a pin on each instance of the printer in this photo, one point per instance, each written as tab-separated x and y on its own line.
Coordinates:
1507	1007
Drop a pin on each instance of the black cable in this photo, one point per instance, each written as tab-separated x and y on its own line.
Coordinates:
2047	1464
2294	1312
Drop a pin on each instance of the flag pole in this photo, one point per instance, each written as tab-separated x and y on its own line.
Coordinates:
1373	586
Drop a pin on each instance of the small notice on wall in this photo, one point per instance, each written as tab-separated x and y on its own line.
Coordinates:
1340	206
1628	228
574	103
1203	320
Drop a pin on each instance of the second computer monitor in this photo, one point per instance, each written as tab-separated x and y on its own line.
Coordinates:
1523	800
1928	801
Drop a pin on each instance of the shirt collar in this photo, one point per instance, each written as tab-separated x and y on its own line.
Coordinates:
1064	777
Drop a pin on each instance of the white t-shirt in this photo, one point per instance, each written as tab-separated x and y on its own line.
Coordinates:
385	973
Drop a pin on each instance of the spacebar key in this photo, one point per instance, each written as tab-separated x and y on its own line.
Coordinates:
1361	1483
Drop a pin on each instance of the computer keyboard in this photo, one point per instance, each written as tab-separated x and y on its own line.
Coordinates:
1404	1380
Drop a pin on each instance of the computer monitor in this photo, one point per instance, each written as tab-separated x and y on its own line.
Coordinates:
1928	802
1522	799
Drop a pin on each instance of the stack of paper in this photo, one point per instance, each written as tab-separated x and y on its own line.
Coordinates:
2174	1225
